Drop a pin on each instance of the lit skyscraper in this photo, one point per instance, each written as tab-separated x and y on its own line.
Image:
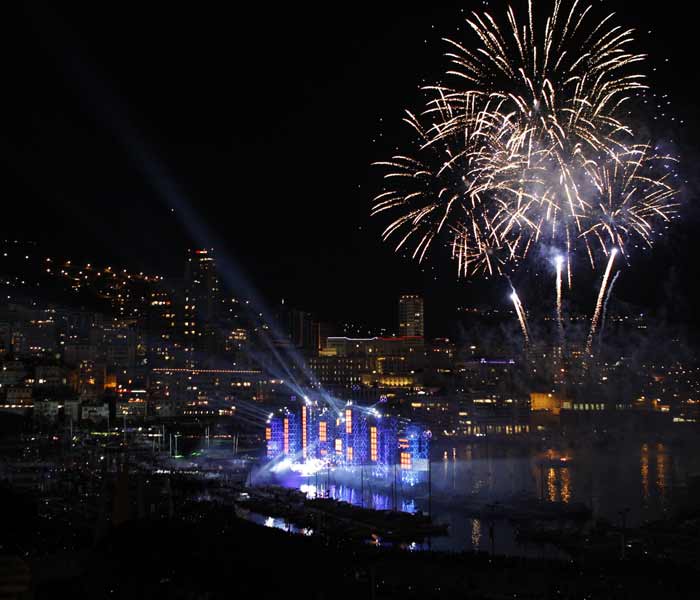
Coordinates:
411	315
201	307
202	284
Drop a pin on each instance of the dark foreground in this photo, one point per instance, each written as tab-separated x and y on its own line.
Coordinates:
217	555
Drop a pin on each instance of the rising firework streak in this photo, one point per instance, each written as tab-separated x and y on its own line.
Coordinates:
605	307
559	264
599	302
520	312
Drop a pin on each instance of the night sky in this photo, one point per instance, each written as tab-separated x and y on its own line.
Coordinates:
267	119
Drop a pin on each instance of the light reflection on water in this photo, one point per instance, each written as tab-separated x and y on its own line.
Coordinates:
366	498
565	487
648	479
661	463
552	485
476	533
644	472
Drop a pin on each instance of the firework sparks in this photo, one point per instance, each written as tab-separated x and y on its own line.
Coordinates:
559	265
605	307
599	302
528	146
630	199
520	313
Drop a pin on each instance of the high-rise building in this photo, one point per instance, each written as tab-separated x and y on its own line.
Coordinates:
411	315
296	328
202	285
163	345
201	306
300	328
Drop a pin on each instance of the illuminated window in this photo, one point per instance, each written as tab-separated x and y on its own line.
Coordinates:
349	454
406	460
373	454
339	446
303	430
348	421
322	432
286	436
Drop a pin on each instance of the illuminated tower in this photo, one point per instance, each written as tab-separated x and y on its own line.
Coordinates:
387	442
201	303
310	431
373	443
325	433
414	454
350	426
283	435
202	284
291	434
274	436
161	325
411	315
360	438
356	435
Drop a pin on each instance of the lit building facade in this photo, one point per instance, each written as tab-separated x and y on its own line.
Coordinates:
377	362
201	304
177	391
411	315
354	436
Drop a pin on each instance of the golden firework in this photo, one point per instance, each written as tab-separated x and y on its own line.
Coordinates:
529	145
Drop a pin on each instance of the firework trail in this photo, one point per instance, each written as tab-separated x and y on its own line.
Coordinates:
526	144
599	302
605	306
559	264
520	312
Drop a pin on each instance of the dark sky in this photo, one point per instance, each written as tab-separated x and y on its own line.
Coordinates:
266	119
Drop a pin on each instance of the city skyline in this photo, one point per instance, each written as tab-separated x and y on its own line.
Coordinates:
373	300
270	249
30	274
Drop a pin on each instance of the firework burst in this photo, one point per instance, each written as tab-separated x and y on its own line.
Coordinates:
528	146
632	195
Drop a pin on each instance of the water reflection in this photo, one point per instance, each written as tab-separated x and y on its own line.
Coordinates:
637	475
476	533
645	472
661	459
565	476
552	485
368	498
